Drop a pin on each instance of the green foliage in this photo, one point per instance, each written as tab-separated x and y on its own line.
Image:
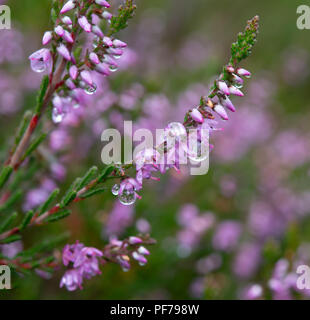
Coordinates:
8	221
44	207
125	12
11	239
11	200
41	95
241	49
34	145
5	174
61	214
22	127
90	174
26	220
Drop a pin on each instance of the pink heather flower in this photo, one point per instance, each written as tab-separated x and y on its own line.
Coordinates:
67	20
235	91
107	41
107	15
119	44
228	104
134	240
254	291
95	19
139	257
223	87
230	69
85	254
237	79
70	252
72	279
85	265
109	60
68	37
70	84
63	51
41	60
115	51
97	31
227	235
85	25
103	69
219	109
94	58
86	76
74	72
60	31
142	250
47	37
243	72
197	116
67	7
103	3
129	184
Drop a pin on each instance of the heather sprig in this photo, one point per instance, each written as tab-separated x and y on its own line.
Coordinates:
212	108
71	73
84	262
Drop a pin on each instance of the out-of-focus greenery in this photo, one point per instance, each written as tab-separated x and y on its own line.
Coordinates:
167	275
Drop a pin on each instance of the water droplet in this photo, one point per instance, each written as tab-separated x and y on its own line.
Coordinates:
38	66
248	76
115	189
113	68
117	56
90	89
76	106
57	116
238	85
177	130
127	198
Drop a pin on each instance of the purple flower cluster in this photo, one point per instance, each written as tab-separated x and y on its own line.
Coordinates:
100	56
121	251
85	265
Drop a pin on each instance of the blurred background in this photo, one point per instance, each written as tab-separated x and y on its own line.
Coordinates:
238	232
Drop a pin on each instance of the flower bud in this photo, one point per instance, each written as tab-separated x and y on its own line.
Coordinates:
84	24
223	87
59	31
219	109
47	38
63	51
86	76
119	44
134	240
67	7
243	72
235	91
73	71
103	3
197	116
94	58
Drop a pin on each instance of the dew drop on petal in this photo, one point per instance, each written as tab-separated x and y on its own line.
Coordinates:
115	189
57	116
90	89
238	85
113	68
38	66
127	198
